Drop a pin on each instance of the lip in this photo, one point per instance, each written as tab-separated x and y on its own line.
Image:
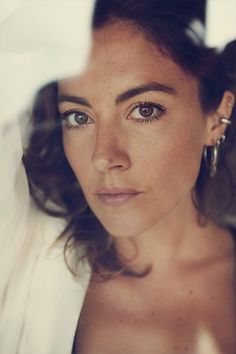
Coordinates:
116	190
116	196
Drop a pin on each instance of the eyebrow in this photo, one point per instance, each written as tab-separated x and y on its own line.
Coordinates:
151	86
73	99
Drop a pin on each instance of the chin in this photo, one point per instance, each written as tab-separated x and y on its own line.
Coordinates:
127	227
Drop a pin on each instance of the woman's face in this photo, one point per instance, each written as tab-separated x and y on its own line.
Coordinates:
133	131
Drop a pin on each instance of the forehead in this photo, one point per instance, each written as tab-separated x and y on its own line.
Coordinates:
120	56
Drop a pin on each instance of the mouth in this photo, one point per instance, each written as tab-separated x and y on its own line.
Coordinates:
116	196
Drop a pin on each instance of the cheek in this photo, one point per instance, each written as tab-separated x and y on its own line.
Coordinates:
76	156
173	163
170	173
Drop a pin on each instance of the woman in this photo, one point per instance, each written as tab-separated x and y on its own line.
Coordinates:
121	158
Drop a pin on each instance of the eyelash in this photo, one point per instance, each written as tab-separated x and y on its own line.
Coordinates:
65	119
162	110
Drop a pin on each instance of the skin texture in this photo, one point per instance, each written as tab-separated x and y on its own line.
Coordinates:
160	159
116	150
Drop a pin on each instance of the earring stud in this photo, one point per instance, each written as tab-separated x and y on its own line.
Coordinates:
226	121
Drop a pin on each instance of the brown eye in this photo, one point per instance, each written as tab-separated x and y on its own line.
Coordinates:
146	110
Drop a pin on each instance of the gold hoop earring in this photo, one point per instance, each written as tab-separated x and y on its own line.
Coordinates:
211	156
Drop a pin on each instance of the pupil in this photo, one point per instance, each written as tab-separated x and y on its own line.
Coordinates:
81	119
146	110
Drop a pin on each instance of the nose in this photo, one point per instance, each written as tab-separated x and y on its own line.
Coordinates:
110	152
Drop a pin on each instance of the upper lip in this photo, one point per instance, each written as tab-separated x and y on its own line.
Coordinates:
116	190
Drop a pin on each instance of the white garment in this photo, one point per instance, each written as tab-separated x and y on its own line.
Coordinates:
40	300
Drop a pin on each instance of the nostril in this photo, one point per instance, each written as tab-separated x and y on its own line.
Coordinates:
110	154
118	166
104	165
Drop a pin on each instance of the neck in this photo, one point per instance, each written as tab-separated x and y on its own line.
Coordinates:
177	238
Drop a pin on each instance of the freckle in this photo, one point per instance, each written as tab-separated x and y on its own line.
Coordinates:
213	299
190	292
185	349
121	321
153	313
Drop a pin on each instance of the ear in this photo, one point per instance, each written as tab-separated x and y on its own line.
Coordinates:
215	129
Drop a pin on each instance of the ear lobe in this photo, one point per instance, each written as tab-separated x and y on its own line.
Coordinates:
217	120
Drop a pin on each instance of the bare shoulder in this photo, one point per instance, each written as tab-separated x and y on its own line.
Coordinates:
191	309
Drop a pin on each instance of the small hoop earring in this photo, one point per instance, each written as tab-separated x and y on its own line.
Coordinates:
211	156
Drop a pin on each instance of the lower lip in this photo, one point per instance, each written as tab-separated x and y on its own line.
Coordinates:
116	199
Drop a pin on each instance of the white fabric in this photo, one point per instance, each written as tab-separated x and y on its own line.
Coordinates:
40	300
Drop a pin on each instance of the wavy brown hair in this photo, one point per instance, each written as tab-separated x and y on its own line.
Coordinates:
53	185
